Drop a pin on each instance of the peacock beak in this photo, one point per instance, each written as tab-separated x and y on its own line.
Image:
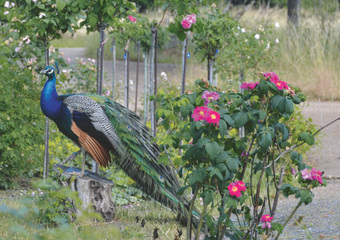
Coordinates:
43	71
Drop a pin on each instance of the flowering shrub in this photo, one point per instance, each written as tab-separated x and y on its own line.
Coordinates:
235	174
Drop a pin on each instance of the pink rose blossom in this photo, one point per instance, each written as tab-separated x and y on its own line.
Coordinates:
234	189
316	175
212	117
132	18
249	86
68	59
192	18
293	171
305	174
209	96
266	219
267	224
186	23
200	113
272	76
241	185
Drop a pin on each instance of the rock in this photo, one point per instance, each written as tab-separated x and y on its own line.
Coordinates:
92	190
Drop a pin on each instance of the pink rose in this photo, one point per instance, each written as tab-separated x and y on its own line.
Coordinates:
132	19
186	23
192	18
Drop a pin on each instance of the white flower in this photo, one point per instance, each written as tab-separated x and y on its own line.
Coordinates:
131	82
277	25
277	40
163	74
41	15
13	4
246	40
6	12
257	36
268	46
6	4
17	49
243	30
237	33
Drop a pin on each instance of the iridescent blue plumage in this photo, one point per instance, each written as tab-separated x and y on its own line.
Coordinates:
101	127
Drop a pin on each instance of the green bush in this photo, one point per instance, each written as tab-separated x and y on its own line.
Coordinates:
21	123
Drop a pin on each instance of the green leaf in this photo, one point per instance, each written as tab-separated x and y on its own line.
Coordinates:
306	196
181	190
181	9
275	101
173	27
208	197
213	149
284	131
229	120
240	119
202	141
277	227
266	141
307	137
288	190
223	128
61	4
231	202
195	177
286	106
233	164
214	172
181	35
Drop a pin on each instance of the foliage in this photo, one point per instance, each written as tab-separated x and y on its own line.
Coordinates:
21	128
215	158
99	15
44	20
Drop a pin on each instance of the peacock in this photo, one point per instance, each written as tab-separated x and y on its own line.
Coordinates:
100	127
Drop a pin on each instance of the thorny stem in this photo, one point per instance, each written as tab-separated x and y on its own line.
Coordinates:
277	194
246	160
250	229
189	223
289	218
201	220
256	203
298	145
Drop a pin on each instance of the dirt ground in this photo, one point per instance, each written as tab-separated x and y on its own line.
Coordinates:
321	218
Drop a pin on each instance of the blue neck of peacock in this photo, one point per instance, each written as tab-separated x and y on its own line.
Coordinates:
49	102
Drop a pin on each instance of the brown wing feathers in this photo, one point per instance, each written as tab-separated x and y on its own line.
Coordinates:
92	146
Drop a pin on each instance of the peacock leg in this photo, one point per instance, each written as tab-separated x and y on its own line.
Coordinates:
83	164
70	158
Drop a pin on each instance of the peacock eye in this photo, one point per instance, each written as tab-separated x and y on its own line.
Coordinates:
161	178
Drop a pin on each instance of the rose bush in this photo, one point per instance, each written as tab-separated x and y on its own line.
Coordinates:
239	178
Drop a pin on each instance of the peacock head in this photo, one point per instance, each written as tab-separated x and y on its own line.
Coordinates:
49	72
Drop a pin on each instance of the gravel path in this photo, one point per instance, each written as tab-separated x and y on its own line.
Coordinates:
321	218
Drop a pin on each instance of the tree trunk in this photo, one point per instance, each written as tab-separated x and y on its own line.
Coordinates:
294	12
92	189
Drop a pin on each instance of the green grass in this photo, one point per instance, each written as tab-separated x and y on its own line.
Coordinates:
123	227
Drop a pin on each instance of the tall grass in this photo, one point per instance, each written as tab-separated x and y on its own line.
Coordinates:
308	56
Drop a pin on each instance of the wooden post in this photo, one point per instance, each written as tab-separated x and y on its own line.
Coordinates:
152	66
137	75
146	87
47	127
113	68
184	63
92	190
241	76
126	78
